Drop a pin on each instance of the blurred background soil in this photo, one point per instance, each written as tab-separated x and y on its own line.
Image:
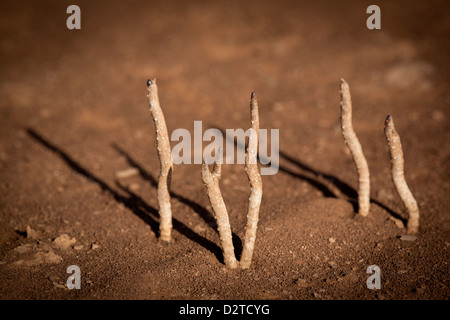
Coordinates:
78	157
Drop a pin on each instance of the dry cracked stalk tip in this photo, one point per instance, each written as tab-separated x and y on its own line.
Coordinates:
354	146
398	175
165	160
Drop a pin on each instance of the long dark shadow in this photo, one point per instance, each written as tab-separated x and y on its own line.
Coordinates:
314	181
316	184
134	203
341	185
200	210
180	227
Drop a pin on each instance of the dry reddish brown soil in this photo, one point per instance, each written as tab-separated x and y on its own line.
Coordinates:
74	114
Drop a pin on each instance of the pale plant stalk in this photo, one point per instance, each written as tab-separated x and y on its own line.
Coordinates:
354	146
398	175
255	181
165	161
211	181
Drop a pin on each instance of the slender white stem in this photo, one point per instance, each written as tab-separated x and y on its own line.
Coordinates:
255	181
398	175
165	161
355	149
211	181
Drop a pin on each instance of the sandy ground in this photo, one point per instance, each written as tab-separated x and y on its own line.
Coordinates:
74	116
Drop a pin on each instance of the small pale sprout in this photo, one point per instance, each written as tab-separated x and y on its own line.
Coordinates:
165	160
352	142
398	175
211	181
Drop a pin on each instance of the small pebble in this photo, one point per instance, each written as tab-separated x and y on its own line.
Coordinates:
302	283
58	285
32	234
54	278
398	222
407	237
64	241
127	173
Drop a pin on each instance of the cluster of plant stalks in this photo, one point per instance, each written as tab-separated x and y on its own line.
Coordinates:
211	179
397	162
